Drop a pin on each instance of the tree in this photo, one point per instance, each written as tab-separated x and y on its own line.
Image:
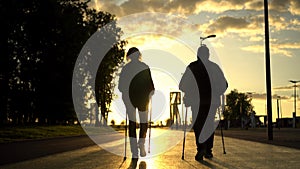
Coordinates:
238	108
107	73
103	78
41	45
112	122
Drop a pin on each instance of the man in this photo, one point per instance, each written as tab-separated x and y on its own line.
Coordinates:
137	88
203	83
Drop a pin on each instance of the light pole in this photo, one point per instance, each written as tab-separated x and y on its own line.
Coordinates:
268	71
295	100
252	113
278	111
203	38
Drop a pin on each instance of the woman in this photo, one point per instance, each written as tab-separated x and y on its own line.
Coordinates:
137	88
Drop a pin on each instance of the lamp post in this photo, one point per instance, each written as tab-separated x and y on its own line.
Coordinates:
268	71
278	111
203	38
295	101
252	113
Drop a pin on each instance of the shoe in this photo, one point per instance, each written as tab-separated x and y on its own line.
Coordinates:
209	156
199	156
133	163
142	151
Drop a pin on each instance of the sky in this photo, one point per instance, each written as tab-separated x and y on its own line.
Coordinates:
238	47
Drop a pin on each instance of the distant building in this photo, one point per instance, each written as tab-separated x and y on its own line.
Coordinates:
287	122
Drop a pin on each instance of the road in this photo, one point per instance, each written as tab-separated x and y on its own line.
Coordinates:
81	152
239	154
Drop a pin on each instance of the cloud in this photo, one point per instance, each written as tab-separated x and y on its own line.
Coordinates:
284	48
280	51
276	49
283	6
295	45
107	6
295	7
264	96
157	23
152	41
242	26
255	5
226	23
278	23
256	39
284	88
222	25
219	6
183	7
279	5
137	6
249	27
294	25
254	48
189	7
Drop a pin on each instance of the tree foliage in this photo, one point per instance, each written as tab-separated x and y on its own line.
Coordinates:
39	48
238	105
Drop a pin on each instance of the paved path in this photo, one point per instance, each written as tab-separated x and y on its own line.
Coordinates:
25	150
289	137
240	154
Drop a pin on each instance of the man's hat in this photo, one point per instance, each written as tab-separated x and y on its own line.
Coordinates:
133	53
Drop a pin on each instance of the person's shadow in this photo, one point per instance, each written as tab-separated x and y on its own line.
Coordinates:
142	165
133	165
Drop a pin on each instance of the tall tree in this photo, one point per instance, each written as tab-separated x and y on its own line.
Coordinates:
3	65
41	45
107	73
238	107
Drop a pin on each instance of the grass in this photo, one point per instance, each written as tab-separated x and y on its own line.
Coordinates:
21	133
34	132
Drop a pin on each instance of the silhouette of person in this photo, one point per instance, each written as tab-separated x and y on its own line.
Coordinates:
203	83
137	88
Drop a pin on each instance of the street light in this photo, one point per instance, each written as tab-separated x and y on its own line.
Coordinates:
278	111
268	71
295	100
203	38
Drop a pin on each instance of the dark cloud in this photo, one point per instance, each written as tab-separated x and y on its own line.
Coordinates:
295	7
285	87
292	6
222	24
138	6
279	5
185	7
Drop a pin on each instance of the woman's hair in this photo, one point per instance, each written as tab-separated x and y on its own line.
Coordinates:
133	53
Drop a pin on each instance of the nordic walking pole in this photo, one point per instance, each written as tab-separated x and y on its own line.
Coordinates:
150	111
183	144
125	138
222	108
125	143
